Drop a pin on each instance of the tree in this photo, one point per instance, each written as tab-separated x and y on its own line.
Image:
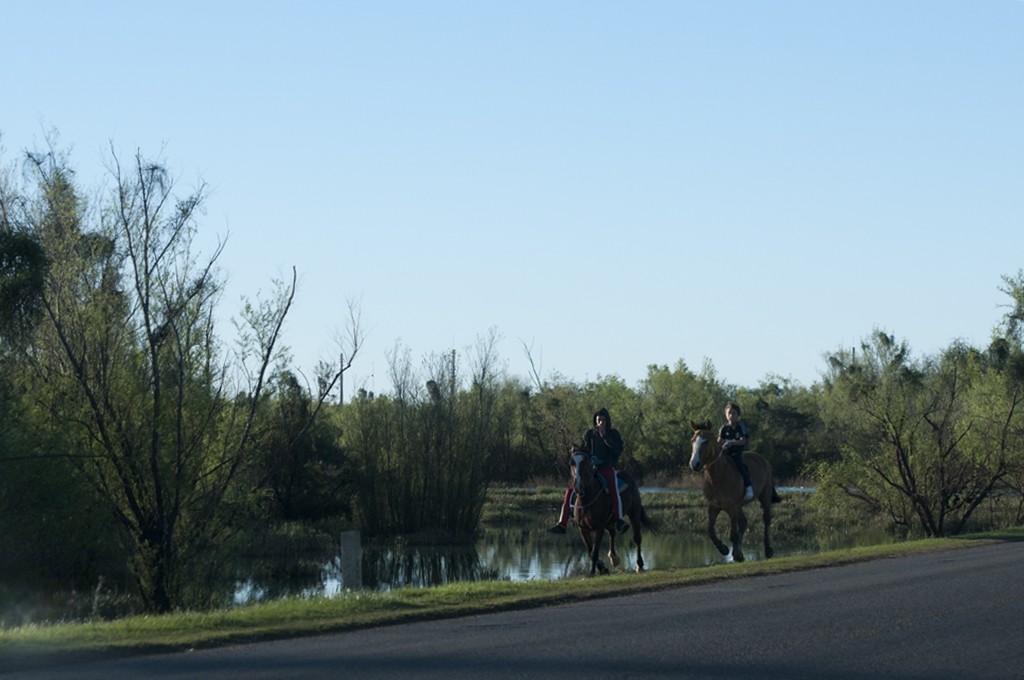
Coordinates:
1002	393
670	399
55	526
424	453
129	359
554	414
23	267
902	431
301	462
784	424
517	458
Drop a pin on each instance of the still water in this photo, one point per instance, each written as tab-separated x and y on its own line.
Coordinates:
509	554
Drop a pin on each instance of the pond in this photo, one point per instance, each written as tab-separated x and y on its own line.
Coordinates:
511	554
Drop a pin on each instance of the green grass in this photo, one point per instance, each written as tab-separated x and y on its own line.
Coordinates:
40	644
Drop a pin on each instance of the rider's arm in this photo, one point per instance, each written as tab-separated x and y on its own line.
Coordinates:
613	438
584	444
741	435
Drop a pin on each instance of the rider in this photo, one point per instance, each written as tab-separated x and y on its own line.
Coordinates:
604	444
732	437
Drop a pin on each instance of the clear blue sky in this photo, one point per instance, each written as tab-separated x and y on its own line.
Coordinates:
613	184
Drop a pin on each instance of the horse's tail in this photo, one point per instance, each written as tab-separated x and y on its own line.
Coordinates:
648	523
776	498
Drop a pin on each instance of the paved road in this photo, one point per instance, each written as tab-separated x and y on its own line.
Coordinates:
953	614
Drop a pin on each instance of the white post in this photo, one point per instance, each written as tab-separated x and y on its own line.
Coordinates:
351	561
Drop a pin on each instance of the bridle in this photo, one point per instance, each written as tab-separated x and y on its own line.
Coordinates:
578	484
707	443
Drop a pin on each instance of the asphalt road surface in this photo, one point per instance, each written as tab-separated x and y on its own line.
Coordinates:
952	614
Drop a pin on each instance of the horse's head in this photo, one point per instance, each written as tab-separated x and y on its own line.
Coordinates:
582	472
702	445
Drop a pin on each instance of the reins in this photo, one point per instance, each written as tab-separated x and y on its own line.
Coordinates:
718	455
576	505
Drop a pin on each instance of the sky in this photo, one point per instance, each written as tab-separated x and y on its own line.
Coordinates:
604	186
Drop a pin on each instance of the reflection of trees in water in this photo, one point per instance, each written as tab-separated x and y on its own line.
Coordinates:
506	553
527	555
523	554
387	567
271	578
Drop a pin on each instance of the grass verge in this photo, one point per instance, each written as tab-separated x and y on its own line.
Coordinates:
37	645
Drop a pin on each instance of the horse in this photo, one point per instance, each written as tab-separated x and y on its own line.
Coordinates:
723	489
592	512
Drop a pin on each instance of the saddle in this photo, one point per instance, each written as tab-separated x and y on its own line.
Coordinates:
619	481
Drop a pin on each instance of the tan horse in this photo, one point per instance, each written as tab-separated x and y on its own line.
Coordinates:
592	512
723	488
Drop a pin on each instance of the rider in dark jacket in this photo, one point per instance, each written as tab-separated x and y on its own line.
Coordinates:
732	437
604	444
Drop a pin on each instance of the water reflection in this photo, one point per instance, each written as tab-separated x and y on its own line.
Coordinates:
385	568
510	554
270	579
526	555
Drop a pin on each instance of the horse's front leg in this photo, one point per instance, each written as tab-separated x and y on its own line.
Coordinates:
613	556
712	534
738	526
596	565
588	542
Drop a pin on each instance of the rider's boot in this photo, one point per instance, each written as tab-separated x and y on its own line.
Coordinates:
563	516
620	525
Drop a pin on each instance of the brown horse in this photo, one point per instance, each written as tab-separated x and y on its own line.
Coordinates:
723	489
592	512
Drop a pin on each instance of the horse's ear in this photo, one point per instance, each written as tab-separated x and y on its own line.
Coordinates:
694	426
707	424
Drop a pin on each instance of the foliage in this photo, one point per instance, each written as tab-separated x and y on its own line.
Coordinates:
785	425
23	267
669	400
54	524
131	437
904	431
300	462
512	460
1002	395
555	414
128	361
425	455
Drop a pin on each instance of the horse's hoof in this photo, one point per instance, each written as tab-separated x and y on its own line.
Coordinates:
615	560
724	549
738	557
639	568
768	552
